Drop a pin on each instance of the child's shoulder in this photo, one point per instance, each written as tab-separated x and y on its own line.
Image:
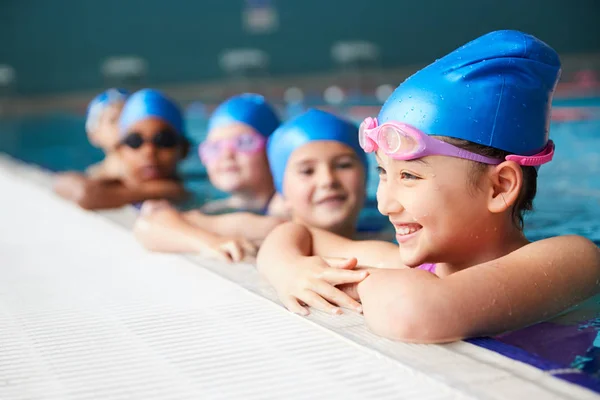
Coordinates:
565	242
569	249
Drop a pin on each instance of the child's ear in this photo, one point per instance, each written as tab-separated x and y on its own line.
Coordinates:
93	139
506	183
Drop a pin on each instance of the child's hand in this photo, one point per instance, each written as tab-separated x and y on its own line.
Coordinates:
151	206
232	249
311	281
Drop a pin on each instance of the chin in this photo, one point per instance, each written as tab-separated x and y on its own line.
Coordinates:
332	225
412	259
227	186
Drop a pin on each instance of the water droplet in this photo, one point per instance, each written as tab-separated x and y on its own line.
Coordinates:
470	108
410	96
441	97
412	108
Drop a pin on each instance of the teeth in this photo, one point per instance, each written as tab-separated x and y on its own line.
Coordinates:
406	230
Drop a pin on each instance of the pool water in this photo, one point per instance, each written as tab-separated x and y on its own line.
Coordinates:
568	202
568	199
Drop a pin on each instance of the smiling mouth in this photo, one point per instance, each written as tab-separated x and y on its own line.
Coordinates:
407	229
229	169
332	200
405	232
150	172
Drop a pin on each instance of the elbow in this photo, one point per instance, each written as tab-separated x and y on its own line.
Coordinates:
85	203
416	316
84	199
412	323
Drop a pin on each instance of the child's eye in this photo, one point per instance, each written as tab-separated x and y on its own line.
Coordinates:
306	171
407	175
345	164
380	171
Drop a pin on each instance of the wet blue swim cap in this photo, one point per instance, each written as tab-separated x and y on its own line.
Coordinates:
311	126
149	103
495	91
248	108
100	102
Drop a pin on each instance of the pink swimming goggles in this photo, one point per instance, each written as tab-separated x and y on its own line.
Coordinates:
404	142
248	143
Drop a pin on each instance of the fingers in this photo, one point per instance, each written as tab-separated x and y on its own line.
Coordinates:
149	206
341	263
250	249
292	304
336	296
312	299
351	289
340	276
223	255
233	249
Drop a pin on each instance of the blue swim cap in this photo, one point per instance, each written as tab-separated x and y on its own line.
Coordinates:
248	108
100	102
149	103
311	126
495	91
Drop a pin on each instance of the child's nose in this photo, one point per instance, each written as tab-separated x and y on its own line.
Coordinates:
327	177
227	151
387	203
148	149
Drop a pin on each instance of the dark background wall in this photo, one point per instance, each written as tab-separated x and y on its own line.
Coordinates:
58	46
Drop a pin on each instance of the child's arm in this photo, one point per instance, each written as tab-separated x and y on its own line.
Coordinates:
292	259
109	168
230	237
239	224
95	194
531	284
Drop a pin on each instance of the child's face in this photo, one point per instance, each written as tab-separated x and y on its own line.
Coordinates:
324	185
437	213
106	134
231	170
157	153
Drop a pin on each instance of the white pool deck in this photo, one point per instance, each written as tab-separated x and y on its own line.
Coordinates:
87	313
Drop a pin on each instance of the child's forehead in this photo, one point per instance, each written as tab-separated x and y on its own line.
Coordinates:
229	131
149	125
321	150
428	162
115	107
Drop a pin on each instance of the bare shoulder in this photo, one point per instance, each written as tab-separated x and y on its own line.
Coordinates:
370	253
571	249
